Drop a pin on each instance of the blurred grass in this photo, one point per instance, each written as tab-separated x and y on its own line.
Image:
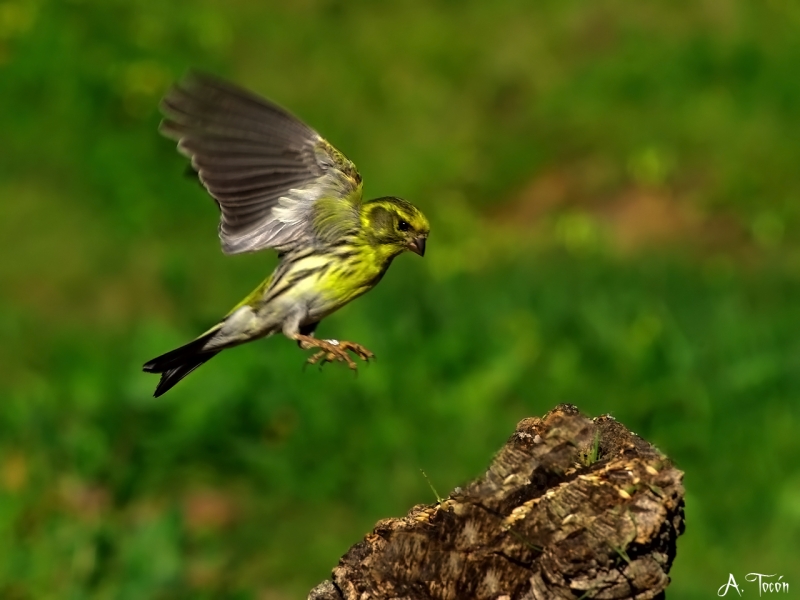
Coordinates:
614	200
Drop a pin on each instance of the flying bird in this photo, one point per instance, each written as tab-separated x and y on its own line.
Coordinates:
280	185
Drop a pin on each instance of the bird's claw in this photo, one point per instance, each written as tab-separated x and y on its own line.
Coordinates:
335	350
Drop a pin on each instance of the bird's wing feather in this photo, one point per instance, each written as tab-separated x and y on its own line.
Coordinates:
277	182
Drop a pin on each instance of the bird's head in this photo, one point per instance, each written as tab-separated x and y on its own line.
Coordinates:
396	225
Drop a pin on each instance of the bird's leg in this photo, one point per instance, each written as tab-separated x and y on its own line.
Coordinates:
330	350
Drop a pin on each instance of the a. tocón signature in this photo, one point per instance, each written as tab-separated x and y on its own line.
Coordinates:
765	585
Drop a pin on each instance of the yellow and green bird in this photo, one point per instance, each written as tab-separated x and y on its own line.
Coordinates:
280	185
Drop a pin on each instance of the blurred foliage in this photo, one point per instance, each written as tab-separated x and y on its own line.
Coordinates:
614	196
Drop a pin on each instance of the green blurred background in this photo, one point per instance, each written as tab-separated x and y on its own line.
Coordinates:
614	196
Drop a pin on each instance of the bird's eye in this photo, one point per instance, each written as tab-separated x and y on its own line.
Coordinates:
403	225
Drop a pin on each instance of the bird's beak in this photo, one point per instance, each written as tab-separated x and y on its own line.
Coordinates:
417	245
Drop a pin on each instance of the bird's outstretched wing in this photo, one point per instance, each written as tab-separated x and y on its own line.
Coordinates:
277	182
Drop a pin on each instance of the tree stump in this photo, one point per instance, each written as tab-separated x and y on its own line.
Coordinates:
571	508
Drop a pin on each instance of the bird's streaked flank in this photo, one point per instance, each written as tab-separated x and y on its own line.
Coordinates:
280	185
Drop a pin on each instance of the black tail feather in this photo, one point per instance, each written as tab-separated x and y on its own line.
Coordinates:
172	376
177	364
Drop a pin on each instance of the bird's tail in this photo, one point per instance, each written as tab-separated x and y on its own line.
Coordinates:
177	364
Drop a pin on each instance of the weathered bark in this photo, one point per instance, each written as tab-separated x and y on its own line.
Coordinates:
570	508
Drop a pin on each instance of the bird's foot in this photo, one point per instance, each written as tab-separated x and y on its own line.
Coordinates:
333	350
